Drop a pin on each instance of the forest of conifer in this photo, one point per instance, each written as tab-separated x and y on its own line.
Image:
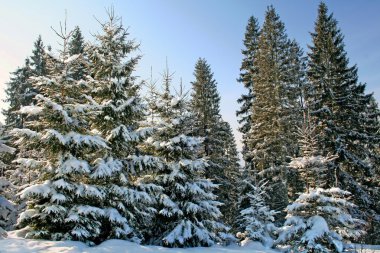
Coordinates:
90	152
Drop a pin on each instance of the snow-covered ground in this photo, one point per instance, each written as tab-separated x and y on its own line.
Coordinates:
16	244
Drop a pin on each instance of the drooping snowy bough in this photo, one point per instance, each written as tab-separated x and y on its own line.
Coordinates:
320	221
188	214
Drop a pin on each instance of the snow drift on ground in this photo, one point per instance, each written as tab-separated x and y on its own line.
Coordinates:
16	244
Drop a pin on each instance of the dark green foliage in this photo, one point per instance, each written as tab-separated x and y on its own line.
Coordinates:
76	46
218	138
116	92
19	93
76	43
187	213
247	71
205	105
345	116
231	175
38	61
276	109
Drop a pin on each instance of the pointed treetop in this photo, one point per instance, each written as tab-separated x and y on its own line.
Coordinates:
251	34
38	61
76	44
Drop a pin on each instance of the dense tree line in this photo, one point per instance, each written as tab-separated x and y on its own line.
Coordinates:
87	155
312	129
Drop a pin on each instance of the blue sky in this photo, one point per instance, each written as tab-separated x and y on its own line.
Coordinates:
182	31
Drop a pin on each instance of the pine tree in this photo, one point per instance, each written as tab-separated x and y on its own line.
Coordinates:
19	93
205	105
76	44
336	99
310	166
256	218
340	108
320	218
188	213
38	61
320	221
116	92
7	207
228	192
276	109
208	124
68	201
247	71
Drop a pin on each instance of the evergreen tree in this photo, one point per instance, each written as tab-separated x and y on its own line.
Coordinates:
116	92
341	110
231	175
188	213
276	108
247	71
208	124
7	207
38	61
19	93
76	47
256	218
19	90
320	221
76	44
205	105
69	200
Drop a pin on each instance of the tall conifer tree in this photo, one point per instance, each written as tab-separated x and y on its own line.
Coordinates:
276	110
340	107
247	72
188	213
64	203
208	124
76	43
38	61
116	92
19	90
76	46
18	94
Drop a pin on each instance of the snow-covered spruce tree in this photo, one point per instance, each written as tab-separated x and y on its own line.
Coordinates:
8	212
7	208
76	46
68	201
231	175
255	221
38	61
187	212
372	184
76	43
18	94
339	105
208	124
123	167
319	220
205	102
275	109
247	72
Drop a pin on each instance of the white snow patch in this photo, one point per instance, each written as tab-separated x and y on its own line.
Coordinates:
16	244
